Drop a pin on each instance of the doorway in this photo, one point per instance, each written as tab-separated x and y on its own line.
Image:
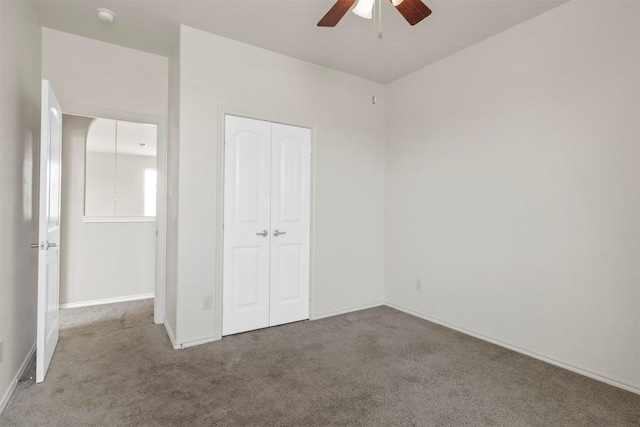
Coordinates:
267	219
113	242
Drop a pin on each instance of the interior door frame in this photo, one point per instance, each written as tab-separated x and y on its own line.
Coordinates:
161	195
219	226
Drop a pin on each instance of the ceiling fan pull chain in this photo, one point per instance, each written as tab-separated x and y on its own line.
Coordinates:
379	16
377	31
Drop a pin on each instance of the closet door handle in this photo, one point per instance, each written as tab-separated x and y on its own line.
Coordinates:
277	233
264	233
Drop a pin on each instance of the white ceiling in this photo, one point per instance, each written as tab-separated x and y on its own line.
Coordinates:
289	27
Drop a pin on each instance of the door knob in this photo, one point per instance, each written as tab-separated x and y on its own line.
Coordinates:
264	233
51	245
35	245
277	233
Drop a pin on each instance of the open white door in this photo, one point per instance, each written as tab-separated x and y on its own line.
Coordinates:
49	234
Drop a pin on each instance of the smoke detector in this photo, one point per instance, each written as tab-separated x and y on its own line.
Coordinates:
106	15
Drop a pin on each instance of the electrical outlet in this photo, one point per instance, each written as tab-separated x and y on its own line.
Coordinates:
418	285
207	302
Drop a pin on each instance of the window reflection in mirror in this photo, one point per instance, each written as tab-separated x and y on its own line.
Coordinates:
120	169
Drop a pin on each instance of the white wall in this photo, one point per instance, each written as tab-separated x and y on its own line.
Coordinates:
20	49
128	180
99	261
513	191
99	183
88	72
348	245
88	75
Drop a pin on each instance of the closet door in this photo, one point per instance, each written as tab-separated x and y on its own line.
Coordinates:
247	195
290	222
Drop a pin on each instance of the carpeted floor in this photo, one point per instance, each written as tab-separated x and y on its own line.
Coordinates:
377	367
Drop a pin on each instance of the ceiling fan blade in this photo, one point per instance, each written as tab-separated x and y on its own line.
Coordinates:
413	11
336	13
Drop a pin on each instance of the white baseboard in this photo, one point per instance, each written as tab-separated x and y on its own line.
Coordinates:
572	368
197	342
14	383
212	339
172	336
321	316
107	301
346	310
184	345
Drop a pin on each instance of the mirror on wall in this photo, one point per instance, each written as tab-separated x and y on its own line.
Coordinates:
120	169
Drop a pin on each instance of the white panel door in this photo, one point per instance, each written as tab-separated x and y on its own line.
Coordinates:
267	211
245	302
290	221
49	231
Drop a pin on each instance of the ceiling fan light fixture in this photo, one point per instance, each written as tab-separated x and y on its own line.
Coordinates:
364	8
396	2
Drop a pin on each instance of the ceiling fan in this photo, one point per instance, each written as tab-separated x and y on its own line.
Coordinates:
413	11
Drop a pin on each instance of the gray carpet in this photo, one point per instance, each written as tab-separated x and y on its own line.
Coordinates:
377	367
